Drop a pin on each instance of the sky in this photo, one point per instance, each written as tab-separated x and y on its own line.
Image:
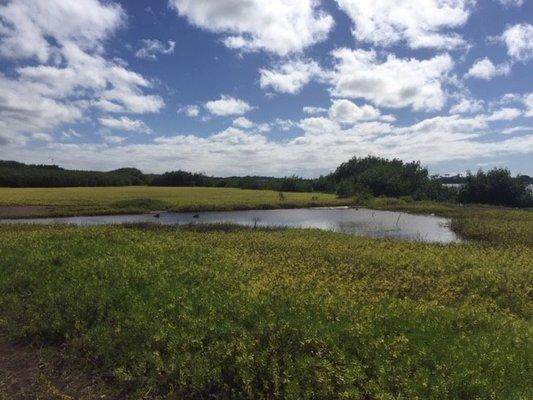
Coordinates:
278	87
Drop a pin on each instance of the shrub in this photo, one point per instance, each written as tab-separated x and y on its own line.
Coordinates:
497	187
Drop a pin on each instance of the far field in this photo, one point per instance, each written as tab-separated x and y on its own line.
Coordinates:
134	199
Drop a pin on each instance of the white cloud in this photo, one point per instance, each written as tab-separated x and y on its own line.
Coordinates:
111	139
517	129
345	111
314	110
511	3
519	41
236	151
243	123
26	25
485	69
289	77
528	102
152	47
504	114
125	124
42	136
284	124
393	82
421	24
227	105
23	109
277	26
191	111
66	71
467	106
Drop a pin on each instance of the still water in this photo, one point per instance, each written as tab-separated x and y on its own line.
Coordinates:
360	221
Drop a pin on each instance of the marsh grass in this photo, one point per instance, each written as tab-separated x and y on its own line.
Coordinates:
485	224
225	312
138	199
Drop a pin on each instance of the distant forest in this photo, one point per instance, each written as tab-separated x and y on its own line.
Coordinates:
359	178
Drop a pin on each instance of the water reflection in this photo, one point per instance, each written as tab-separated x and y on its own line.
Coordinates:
361	221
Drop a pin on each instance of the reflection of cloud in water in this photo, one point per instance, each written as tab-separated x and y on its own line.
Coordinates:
346	220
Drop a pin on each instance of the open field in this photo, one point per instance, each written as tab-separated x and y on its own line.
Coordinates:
292	314
40	202
152	312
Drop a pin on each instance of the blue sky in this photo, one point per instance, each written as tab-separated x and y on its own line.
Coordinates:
235	87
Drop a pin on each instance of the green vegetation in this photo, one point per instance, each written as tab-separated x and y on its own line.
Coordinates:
375	176
496	187
15	174
135	199
295	314
358	178
488	224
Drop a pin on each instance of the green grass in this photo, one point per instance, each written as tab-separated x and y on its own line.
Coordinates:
135	199
225	312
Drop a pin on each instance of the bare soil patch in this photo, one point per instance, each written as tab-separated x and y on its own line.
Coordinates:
23	211
25	374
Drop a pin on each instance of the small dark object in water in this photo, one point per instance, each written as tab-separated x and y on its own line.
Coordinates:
156	215
196	216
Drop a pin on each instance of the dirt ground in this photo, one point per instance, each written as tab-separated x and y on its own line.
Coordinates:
25	375
23	211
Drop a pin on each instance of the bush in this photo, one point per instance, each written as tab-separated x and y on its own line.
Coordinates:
497	187
390	178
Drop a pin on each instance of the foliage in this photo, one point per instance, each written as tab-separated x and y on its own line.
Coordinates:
497	187
273	314
13	174
392	178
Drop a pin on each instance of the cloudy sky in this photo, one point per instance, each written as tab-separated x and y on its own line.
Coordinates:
266	87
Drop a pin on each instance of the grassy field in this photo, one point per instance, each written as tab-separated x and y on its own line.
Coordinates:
151	312
135	199
225	312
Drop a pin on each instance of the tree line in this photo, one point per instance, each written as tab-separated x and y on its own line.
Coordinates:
359	178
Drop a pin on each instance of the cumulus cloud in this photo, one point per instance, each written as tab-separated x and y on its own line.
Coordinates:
485	69
246	124
504	114
393	82
277	26
191	111
420	24
467	106
289	77
238	151
227	105
125	124
345	111
66	71
243	123
519	41
25	25
151	48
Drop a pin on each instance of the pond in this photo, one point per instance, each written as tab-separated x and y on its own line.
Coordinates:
360	221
